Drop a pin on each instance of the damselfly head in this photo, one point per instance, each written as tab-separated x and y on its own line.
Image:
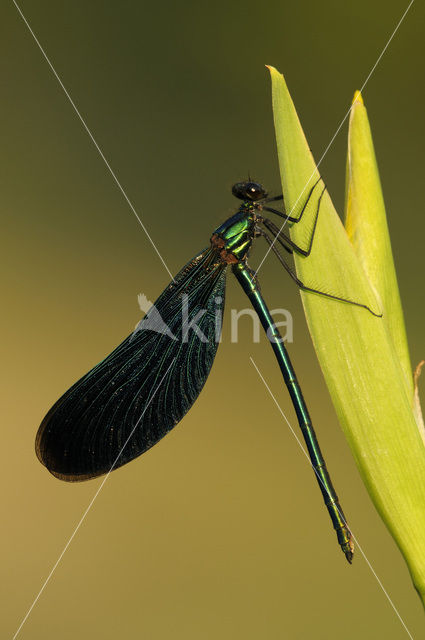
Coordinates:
249	191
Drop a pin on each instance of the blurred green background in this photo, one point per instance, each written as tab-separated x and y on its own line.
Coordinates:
220	530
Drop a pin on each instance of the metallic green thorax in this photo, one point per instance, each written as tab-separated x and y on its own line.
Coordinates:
233	240
236	234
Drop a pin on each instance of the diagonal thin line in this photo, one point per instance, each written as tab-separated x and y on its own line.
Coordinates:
169	272
319	478
45	583
336	132
117	182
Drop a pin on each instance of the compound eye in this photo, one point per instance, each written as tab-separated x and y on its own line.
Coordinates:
249	191
255	191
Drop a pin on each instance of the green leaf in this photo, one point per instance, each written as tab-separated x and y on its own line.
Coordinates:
366	225
363	357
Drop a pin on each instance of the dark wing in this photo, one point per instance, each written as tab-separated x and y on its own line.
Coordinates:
136	395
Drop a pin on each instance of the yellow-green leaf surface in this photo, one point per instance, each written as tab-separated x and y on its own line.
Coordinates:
363	357
367	228
366	225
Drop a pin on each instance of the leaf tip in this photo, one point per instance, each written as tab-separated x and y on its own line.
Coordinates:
357	98
272	70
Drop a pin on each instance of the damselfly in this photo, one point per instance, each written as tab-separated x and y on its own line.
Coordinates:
138	393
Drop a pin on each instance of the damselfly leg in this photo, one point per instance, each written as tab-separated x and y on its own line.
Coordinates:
273	234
